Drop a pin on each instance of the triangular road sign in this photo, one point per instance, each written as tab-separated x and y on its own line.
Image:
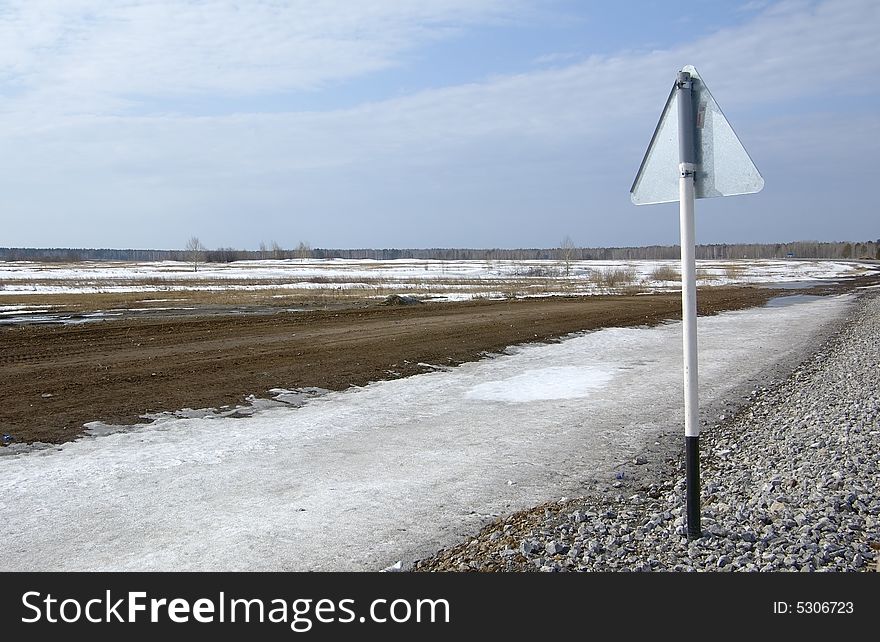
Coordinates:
723	165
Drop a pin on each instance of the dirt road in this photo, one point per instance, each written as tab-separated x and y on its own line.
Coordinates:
394	471
55	378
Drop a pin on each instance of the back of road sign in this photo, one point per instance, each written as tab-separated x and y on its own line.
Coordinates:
723	165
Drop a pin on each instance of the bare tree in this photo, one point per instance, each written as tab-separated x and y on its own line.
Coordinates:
566	254
195	252
264	253
277	252
303	250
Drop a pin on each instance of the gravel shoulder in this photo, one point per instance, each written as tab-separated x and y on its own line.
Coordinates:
788	484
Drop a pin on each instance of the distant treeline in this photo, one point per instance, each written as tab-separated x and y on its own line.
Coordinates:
867	250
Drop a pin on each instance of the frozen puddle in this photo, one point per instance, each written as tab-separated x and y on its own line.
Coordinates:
360	479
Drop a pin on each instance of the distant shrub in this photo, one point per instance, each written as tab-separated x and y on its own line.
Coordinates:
733	271
634	288
541	271
613	278
665	273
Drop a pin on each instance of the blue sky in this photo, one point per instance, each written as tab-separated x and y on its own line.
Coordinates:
444	123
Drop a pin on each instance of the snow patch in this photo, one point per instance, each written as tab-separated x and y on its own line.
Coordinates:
560	382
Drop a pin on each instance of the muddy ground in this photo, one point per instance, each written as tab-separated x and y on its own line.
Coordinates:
56	378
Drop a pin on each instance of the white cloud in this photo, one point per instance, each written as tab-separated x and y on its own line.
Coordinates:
753	5
580	129
556	58
796	49
96	54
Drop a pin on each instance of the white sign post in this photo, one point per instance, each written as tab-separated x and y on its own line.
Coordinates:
693	143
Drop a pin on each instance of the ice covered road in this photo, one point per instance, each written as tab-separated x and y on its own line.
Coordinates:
360	479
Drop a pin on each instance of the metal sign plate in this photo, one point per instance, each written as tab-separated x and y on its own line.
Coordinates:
724	168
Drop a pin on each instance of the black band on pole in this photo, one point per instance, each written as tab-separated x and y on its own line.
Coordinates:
692	463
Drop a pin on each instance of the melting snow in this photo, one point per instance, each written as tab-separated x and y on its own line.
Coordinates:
451	280
563	382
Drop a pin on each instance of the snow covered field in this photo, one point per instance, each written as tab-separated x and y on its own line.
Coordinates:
446	280
360	479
